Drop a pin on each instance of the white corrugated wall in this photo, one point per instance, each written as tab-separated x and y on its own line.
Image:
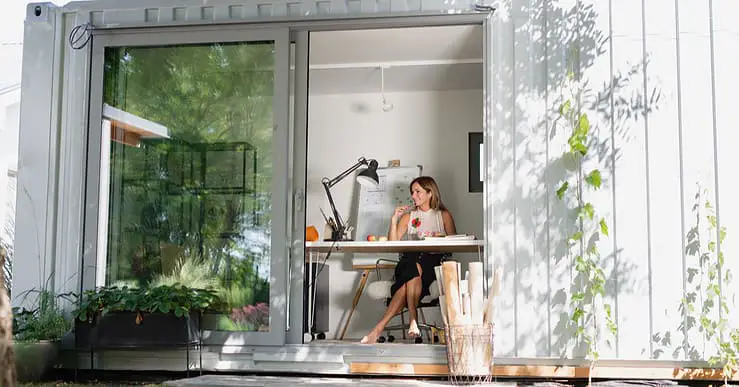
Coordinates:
662	79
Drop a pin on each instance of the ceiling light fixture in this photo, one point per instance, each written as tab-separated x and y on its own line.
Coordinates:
386	107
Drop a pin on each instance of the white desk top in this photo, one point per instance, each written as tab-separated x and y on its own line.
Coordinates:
432	246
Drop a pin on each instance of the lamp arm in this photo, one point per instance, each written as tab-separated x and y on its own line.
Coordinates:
327	184
330	183
337	218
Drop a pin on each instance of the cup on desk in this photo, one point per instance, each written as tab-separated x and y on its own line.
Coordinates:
327	232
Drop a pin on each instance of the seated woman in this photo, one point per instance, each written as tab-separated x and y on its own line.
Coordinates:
415	271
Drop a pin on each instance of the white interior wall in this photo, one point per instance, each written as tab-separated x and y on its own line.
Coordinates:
427	128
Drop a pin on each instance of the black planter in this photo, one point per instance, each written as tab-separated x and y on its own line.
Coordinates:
120	330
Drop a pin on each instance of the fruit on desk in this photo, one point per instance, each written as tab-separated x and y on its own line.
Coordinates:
371	238
311	234
382	239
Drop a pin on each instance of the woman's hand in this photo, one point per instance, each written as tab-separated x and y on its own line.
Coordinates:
399	211
398	230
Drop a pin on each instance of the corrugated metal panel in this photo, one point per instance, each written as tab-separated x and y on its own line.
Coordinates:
138	13
659	73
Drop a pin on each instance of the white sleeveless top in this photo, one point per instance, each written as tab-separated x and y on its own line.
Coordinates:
424	223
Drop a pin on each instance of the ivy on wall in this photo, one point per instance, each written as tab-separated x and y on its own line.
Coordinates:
589	311
705	306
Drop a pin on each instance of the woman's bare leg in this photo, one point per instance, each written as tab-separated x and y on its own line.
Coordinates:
396	305
413	293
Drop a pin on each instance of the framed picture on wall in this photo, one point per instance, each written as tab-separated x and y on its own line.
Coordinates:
475	167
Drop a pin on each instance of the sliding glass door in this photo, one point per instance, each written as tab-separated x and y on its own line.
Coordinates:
190	185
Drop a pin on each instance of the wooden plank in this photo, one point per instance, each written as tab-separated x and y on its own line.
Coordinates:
523	371
372	267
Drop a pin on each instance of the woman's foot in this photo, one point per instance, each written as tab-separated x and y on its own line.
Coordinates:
371	338
413	330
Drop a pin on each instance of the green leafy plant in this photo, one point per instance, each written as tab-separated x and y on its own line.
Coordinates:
46	321
177	299
589	309
705	307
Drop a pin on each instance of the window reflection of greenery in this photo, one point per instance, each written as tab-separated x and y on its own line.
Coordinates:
194	208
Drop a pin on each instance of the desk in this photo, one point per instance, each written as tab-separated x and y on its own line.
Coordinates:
314	249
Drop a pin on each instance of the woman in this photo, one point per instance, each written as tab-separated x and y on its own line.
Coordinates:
415	271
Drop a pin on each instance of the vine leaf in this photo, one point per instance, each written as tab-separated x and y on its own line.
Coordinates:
588	210
594	179
577	314
564	109
562	189
576	236
578	297
603	227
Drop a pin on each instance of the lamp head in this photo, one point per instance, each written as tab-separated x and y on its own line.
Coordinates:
368	177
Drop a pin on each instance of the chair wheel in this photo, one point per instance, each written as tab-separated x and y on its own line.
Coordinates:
418	340
390	338
321	336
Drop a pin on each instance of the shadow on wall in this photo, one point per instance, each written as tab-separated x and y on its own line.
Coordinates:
529	164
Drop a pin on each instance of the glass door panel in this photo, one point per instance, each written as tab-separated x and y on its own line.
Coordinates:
190	177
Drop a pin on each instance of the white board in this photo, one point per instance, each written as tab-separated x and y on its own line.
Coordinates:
376	204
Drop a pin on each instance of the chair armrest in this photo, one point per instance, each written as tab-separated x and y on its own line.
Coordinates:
379	260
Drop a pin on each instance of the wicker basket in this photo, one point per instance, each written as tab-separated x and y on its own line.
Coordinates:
469	350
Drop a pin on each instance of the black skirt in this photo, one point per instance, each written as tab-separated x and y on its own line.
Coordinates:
406	270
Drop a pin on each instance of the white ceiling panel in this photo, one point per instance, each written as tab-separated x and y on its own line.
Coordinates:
415	59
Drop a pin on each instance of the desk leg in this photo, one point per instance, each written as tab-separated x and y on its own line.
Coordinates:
311	284
357	296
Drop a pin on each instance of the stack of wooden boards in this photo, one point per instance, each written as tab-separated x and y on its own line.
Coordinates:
468	317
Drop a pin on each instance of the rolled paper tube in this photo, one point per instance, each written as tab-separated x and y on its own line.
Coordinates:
439	279
442	307
451	291
475	289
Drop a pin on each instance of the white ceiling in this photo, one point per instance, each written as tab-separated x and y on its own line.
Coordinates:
415	59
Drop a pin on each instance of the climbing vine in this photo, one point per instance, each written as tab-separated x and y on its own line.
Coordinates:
589	308
705	306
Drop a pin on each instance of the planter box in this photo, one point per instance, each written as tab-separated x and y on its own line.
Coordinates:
120	330
34	360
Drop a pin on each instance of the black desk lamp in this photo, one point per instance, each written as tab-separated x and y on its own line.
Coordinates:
367	177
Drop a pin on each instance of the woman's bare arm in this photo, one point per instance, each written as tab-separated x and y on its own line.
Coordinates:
397	230
449	227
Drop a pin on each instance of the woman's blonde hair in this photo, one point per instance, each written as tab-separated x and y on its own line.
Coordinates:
429	184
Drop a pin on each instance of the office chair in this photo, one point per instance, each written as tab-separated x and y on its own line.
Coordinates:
380	290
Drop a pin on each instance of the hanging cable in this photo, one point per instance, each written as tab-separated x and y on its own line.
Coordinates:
386	107
80	32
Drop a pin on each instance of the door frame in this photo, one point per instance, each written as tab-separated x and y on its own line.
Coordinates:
93	265
300	36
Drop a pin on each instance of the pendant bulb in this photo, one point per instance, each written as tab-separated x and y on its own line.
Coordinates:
386	107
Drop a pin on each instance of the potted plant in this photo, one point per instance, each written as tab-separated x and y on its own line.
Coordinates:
119	317
37	333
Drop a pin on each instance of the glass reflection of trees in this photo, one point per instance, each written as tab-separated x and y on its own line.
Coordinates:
194	208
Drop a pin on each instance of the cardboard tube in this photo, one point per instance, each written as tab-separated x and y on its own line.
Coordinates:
439	280
474	286
451	295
